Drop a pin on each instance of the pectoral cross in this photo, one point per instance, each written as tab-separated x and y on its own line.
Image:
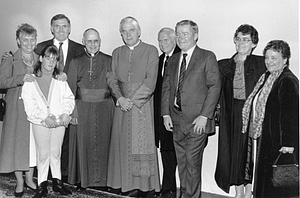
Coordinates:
91	68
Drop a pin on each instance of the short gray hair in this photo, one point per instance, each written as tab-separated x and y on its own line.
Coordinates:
130	19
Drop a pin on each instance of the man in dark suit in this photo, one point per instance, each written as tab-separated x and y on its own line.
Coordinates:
61	28
190	92
167	44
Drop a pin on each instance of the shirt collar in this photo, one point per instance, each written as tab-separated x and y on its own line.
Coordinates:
170	54
56	42
189	52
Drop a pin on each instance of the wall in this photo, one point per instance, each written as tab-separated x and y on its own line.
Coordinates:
217	20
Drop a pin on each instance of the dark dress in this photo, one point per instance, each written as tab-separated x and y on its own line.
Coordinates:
231	150
281	118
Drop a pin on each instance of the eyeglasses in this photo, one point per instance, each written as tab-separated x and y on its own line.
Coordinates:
243	40
52	58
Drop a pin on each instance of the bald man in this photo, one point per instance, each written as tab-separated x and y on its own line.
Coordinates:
92	119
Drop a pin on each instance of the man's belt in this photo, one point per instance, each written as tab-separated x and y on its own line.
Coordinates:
93	95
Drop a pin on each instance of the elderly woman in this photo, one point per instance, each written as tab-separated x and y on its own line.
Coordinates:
17	148
239	75
271	118
48	103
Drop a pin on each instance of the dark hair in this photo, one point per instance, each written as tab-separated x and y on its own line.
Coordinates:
281	47
59	16
27	29
248	29
49	50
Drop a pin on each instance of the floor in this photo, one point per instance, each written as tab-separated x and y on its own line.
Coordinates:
7	185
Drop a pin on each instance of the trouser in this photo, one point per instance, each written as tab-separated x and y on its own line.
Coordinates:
48	146
189	149
169	174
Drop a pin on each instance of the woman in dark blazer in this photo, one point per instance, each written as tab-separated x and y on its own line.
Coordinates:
239	75
271	118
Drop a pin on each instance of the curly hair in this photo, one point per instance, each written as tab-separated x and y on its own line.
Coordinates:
281	47
248	29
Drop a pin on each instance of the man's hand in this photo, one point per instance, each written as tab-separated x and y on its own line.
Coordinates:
74	121
125	104
62	77
29	78
5	55
286	149
168	123
200	124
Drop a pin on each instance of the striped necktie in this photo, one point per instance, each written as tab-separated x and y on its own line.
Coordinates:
180	81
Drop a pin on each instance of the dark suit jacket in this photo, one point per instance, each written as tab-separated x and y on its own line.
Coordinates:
200	91
160	131
74	50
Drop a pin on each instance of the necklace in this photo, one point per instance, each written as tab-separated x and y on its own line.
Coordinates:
29	62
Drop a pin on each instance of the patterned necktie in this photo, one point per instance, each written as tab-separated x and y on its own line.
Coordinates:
180	81
165	65
61	57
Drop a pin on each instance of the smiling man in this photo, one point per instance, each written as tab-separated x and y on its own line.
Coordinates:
61	28
87	80
190	92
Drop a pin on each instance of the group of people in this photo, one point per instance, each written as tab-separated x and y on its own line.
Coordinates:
96	120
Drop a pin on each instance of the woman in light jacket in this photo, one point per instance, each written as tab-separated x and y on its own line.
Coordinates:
48	103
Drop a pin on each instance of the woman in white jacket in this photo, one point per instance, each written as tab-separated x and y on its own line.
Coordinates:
48	104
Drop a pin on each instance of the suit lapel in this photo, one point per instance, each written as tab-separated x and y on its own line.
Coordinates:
70	55
195	56
175	67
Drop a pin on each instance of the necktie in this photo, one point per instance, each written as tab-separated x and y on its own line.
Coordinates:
61	57
180	81
165	65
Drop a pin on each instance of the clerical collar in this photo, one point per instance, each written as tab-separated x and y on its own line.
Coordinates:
89	54
132	47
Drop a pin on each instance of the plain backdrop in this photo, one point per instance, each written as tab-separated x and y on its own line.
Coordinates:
217	21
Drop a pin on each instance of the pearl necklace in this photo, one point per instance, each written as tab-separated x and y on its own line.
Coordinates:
27	62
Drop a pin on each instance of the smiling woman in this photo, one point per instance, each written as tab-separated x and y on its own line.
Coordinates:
271	122
17	149
239	75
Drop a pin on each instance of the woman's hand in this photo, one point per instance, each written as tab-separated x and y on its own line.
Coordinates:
286	149
64	120
51	121
29	78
